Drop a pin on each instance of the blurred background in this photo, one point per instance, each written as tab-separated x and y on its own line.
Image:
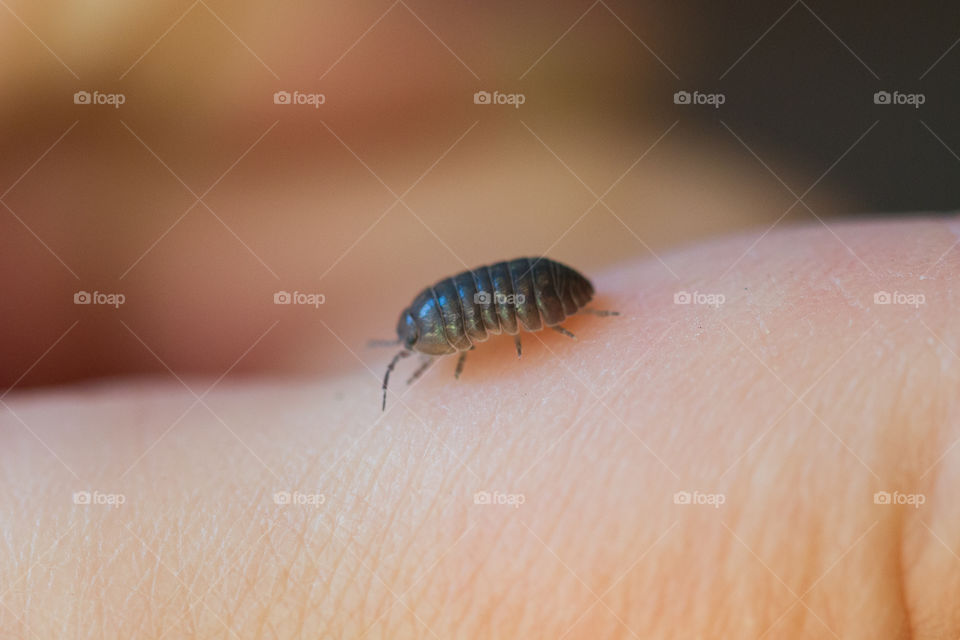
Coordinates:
170	169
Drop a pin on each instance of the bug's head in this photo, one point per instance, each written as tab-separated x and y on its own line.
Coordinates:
407	330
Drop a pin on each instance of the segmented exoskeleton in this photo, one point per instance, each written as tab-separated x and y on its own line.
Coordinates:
507	297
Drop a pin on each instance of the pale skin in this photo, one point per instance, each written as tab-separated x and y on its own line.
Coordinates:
793	402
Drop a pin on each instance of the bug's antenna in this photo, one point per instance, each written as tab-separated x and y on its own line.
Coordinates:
376	342
386	376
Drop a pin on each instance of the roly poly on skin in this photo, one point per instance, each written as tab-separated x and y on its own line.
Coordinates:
457	312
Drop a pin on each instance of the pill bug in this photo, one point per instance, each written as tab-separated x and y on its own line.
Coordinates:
455	313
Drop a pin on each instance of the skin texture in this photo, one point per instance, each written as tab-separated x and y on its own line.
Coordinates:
796	399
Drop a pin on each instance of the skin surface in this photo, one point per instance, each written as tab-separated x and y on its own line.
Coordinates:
792	403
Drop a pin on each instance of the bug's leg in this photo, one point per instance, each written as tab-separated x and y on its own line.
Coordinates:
386	376
601	313
564	331
516	341
460	361
420	370
376	342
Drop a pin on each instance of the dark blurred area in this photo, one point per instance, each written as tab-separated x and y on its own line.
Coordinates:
202	196
808	83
